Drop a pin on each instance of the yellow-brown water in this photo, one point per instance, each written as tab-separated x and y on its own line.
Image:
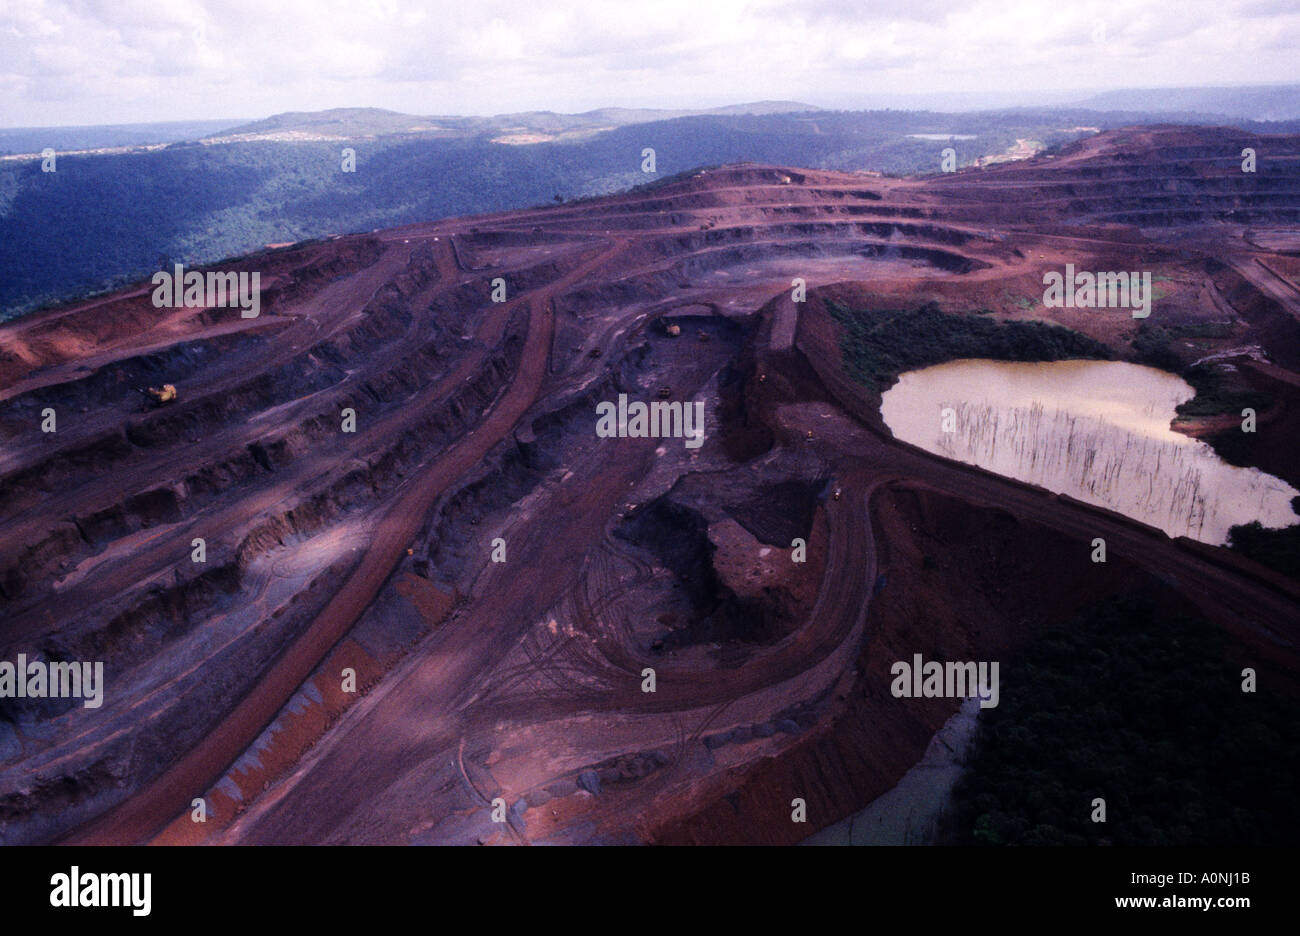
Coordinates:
1095	430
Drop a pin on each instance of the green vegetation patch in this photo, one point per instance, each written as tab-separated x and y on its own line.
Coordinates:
1153	346
1215	395
1134	701
1277	549
879	345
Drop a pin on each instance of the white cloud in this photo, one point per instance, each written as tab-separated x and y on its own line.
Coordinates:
97	61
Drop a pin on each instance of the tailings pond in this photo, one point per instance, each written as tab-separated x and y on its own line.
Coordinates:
1095	430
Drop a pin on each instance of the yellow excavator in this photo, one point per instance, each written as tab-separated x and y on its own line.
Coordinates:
162	395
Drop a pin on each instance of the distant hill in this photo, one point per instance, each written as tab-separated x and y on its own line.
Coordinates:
370	122
64	139
344	122
1261	102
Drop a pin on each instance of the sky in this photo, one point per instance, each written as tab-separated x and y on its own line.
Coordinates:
74	62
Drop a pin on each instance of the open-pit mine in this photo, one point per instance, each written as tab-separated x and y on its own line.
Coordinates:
369	573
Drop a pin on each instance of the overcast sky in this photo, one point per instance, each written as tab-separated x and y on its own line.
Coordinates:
71	62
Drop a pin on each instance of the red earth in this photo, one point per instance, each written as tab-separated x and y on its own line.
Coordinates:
520	682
